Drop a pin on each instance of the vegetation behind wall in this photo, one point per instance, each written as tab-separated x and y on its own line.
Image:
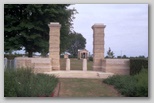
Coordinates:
137	64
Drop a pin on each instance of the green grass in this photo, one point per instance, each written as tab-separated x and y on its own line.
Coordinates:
130	86
24	83
75	64
86	88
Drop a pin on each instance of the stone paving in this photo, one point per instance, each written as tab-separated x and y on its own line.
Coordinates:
79	74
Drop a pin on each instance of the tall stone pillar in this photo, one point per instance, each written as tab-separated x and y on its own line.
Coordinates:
98	46
54	44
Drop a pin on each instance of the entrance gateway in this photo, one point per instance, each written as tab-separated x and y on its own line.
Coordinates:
102	68
98	45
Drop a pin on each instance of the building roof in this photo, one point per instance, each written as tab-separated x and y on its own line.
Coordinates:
82	50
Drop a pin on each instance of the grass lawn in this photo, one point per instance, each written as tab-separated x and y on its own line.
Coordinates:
86	88
76	64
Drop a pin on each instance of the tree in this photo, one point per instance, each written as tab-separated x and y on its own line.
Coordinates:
26	25
110	54
119	57
124	56
76	41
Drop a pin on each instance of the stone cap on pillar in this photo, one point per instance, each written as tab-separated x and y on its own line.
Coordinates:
54	24
98	25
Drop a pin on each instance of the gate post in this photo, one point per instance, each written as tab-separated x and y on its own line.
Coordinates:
98	46
54	44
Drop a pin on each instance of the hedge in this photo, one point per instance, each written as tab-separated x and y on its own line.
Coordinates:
137	64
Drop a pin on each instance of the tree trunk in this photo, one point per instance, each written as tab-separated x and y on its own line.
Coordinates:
30	54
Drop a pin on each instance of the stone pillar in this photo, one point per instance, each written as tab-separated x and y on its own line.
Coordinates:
54	44
65	56
84	65
67	64
98	46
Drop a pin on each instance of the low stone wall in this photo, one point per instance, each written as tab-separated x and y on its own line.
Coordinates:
116	66
39	65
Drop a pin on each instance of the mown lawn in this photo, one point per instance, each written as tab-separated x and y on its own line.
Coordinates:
86	88
76	64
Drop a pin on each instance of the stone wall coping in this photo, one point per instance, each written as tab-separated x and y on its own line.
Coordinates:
98	25
54	24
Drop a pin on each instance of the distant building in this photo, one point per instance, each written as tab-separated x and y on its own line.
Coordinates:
83	53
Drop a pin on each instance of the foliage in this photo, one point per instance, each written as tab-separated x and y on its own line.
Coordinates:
9	84
76	41
110	54
26	25
142	83
137	64
139	57
90	58
133	86
123	57
23	83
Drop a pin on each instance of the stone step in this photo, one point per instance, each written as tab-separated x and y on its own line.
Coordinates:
79	74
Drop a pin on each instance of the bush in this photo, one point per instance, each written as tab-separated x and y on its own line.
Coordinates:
142	83
24	83
90	58
125	84
9	84
137	64
133	86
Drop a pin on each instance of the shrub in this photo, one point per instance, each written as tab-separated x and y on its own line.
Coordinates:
9	84
24	83
137	64
125	84
90	58
133	86
142	83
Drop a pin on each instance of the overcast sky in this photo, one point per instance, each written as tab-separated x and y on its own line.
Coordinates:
126	31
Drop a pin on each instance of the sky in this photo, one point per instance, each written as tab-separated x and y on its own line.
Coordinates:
126	31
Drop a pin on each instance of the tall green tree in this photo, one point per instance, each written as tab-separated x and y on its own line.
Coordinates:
110	54
76	41
26	25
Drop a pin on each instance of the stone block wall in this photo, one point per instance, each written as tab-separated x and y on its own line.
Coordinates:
116	66
38	65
